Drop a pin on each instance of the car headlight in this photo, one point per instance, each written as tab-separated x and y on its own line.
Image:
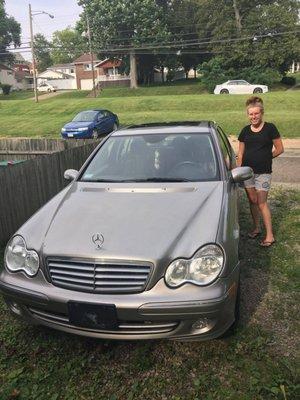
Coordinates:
19	258
82	129
63	129
202	269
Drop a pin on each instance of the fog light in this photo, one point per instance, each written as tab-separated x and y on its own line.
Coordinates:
201	324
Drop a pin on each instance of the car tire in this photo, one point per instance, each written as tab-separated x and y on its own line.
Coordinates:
49	90
258	90
95	134
224	91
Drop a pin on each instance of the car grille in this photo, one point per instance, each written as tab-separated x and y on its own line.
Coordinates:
124	327
95	277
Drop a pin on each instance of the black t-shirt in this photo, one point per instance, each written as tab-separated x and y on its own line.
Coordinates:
258	147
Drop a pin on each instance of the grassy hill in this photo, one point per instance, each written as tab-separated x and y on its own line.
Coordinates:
24	118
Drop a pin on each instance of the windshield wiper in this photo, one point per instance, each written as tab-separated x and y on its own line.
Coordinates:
153	179
156	179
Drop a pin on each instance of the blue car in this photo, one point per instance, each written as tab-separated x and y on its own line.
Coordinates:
90	124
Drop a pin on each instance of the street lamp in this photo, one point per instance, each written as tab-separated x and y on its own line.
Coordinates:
31	14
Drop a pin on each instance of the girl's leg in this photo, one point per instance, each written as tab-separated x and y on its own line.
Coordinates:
266	214
252	197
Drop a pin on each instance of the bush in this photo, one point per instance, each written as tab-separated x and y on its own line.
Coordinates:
288	80
261	76
213	73
5	88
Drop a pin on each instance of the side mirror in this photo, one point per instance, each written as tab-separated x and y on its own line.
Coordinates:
241	174
70	174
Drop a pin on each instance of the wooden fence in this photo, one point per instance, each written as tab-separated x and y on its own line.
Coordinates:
25	187
25	149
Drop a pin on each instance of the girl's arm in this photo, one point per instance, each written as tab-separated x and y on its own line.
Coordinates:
277	143
240	154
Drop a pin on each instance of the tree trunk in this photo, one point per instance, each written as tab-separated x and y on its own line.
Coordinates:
195	72
237	17
133	71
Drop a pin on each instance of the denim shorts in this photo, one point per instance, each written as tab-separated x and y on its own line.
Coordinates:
259	182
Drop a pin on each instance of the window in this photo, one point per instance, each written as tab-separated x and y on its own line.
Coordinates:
87	67
226	149
154	158
72	70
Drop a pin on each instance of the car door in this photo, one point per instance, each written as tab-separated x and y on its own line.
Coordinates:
101	122
231	188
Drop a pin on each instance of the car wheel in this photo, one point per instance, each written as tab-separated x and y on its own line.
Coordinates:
95	134
257	90
224	91
49	90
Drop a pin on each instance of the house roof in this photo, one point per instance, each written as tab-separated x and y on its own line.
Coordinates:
86	58
69	65
2	66
62	74
109	63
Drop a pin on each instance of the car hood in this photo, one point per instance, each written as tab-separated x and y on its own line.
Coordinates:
140	222
76	125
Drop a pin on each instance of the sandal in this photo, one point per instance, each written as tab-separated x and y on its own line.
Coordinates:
265	243
253	235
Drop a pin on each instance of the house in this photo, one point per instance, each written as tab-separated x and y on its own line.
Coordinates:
23	76
60	75
106	72
7	76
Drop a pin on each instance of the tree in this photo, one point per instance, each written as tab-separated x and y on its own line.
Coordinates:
42	52
67	45
10	31
251	34
121	26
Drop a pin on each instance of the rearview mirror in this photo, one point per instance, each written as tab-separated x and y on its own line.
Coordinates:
241	174
70	174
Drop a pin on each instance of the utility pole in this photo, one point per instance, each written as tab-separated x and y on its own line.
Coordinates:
33	57
133	72
91	52
31	14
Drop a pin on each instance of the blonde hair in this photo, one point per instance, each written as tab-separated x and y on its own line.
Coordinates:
255	101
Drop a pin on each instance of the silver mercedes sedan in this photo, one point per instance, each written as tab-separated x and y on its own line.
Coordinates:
142	244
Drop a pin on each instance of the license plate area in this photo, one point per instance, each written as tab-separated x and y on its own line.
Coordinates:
70	134
95	316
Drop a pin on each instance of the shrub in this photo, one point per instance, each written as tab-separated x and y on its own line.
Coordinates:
213	73
288	80
5	88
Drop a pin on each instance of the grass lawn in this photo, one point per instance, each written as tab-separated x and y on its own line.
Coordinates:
153	104
18	95
258	363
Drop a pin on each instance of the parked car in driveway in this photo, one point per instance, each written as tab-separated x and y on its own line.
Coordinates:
90	124
142	244
46	87
239	87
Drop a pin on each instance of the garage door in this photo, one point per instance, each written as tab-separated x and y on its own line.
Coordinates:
86	84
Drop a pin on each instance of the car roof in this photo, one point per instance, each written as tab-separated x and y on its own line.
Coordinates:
165	128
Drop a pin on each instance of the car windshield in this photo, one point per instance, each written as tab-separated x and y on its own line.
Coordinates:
85	116
154	158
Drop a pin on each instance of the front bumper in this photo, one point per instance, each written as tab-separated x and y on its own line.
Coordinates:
77	135
186	313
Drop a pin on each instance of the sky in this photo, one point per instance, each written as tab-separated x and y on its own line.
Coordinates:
66	13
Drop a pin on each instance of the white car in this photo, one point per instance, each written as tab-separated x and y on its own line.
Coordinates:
46	87
239	87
